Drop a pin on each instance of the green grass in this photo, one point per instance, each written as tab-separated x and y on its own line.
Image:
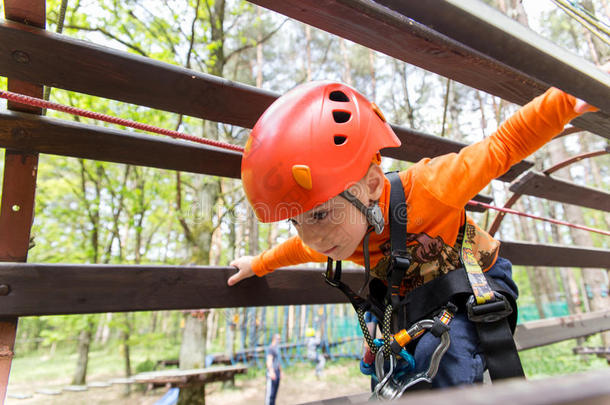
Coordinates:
556	359
41	366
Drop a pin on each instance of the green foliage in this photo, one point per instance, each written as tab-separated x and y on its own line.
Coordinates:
144	366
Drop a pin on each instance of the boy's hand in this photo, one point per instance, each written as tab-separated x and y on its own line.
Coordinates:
244	267
581	106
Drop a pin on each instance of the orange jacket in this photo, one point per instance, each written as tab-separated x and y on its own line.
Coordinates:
436	192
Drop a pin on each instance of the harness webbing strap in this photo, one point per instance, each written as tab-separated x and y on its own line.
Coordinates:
480	288
500	350
400	259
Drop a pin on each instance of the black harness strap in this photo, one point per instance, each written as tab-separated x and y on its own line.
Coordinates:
400	260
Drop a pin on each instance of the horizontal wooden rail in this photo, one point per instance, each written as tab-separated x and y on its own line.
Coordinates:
528	254
47	135
29	133
387	31
42	57
539	185
45	289
589	388
547	331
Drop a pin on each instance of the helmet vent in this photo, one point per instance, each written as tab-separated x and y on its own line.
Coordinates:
338	96
341	116
340	139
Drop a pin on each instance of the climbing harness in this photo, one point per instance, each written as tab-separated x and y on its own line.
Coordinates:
487	305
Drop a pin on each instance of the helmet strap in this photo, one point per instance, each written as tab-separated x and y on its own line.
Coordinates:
373	213
367	259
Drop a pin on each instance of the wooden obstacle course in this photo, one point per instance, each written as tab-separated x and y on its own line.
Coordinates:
31	57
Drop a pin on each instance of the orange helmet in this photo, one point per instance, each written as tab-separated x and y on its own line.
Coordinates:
310	145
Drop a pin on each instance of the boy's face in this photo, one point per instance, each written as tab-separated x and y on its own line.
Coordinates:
334	228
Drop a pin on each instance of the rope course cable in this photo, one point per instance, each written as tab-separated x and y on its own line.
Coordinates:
586	19
36	102
551	220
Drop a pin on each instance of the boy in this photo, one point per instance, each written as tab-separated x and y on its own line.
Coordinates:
313	159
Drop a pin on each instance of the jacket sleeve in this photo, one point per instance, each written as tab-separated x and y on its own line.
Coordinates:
457	177
288	253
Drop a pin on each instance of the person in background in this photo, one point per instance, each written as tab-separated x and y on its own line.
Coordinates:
313	342
274	371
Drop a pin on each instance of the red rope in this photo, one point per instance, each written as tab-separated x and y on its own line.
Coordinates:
36	102
554	221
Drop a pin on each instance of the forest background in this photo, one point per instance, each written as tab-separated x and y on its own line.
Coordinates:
94	212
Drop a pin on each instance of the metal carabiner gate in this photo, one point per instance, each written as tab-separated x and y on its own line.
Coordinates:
389	387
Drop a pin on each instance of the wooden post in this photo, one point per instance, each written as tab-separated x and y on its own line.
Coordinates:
18	187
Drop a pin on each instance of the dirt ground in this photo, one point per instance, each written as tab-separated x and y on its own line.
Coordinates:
298	385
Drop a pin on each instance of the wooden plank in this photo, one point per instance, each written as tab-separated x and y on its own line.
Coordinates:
18	186
590	388
37	289
487	30
387	31
127	77
29	133
143	81
527	254
199	375
546	331
51	289
539	185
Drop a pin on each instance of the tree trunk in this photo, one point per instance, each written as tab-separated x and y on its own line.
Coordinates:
84	341
192	355
125	334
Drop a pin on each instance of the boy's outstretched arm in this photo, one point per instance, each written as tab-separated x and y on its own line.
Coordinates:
291	252
457	177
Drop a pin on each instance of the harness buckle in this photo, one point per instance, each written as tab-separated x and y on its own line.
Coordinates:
332	276
401	261
491	311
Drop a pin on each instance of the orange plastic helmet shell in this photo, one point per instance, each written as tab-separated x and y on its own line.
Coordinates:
310	145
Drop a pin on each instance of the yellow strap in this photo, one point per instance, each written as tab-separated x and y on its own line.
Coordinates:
480	287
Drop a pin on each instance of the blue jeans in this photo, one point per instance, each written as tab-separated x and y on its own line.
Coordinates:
464	362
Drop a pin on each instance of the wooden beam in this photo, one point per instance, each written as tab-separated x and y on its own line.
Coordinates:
528	254
37	289
539	185
382	29
45	58
51	289
590	388
144	81
487	30
29	133
547	331
18	186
